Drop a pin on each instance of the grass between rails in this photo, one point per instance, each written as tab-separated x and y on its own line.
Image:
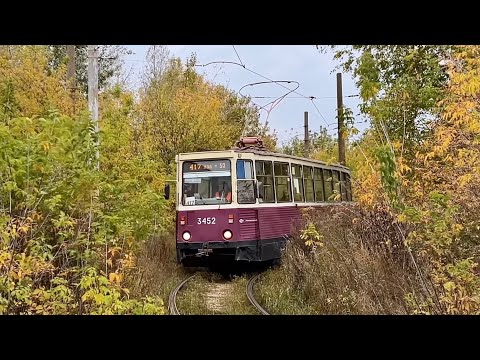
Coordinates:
199	296
158	273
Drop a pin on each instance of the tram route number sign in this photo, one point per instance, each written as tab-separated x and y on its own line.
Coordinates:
210	165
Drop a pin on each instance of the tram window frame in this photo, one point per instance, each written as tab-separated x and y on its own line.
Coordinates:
282	166
318	184
336	185
343	191
308	180
244	178
299	177
261	175
206	187
328	180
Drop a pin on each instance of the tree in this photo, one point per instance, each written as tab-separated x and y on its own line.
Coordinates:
180	111
400	86
28	88
158	59
321	143
109	62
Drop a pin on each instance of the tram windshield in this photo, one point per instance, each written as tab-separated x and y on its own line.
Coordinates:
207	182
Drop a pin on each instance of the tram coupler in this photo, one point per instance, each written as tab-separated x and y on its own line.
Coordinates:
203	251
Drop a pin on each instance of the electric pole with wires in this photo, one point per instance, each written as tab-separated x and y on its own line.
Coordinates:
306	135
341	137
93	92
71	68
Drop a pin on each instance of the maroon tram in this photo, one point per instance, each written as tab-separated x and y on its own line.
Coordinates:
240	203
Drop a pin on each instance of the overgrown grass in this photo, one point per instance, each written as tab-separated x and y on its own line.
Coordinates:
192	299
236	301
356	263
157	271
348	267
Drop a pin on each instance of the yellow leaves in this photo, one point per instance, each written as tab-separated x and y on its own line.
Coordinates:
396	144
130	240
36	216
39	309
46	146
470	87
24	229
5	257
465	179
99	298
314	243
114	250
366	199
128	261
115	278
402	166
474	128
13	274
35	88
456	228
88	295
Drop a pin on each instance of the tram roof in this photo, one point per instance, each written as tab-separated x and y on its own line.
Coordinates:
220	153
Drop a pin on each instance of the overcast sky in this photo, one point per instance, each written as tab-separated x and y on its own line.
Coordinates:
301	63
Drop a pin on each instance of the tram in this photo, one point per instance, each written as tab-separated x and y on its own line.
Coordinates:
240	203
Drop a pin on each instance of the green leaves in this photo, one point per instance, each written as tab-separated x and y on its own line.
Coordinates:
388	172
400	86
48	236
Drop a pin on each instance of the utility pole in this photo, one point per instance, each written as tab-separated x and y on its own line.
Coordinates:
71	67
154	63
341	138
93	91
306	137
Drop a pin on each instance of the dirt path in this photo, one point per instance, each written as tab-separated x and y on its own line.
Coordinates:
216	295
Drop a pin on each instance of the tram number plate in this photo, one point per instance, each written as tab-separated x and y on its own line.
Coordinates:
206	221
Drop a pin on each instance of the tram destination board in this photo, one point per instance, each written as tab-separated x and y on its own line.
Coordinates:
207	165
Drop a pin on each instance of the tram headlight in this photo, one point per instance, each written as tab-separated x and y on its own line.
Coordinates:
227	234
186	236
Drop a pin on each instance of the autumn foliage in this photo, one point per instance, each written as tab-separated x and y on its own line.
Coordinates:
72	234
73	238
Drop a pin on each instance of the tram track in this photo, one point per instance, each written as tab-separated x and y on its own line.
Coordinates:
249	291
172	300
251	297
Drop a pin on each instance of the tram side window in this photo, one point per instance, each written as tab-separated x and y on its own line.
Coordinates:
328	181
318	177
308	180
245	182
264	172
282	182
336	186
297	183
